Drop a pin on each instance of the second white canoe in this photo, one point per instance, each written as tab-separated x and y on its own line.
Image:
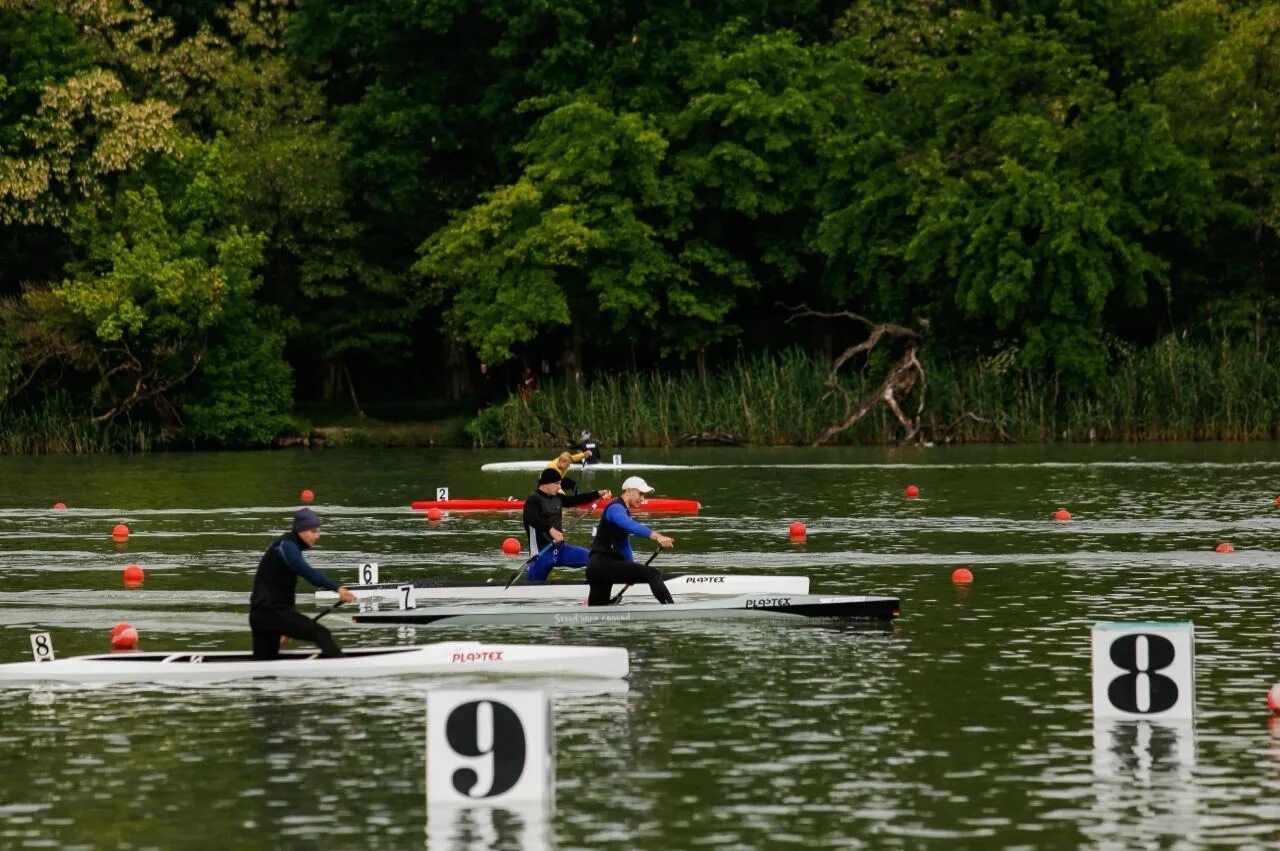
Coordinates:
680	585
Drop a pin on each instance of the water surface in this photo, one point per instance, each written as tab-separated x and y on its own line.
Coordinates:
966	724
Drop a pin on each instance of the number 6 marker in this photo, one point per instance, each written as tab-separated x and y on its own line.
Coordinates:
1144	670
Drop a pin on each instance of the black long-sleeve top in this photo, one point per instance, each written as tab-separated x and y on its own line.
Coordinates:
542	512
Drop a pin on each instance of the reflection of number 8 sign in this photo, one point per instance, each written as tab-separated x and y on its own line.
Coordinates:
1143	670
490	745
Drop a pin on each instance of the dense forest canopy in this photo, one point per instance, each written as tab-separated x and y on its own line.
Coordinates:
212	211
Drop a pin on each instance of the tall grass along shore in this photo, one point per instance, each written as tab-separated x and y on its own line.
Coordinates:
1175	390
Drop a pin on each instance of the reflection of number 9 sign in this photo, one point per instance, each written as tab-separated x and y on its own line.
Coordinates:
490	745
1144	670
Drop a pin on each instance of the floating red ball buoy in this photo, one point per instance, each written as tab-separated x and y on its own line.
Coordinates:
912	492
118	628
961	576
511	546
1062	514
1224	547
125	639
133	575
1278	500
307	495
59	506
1273	698
434	514
120	532
797	532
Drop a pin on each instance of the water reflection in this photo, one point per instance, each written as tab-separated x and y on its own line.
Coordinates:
1144	773
467	828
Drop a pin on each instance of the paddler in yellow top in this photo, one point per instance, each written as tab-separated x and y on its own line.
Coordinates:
562	462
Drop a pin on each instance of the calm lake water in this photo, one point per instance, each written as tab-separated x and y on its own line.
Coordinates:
966	724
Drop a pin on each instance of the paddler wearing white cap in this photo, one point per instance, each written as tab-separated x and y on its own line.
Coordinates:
611	561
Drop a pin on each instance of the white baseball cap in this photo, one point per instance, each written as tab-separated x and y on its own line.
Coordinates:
637	483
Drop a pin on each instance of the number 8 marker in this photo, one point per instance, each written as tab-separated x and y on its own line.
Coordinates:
42	646
1144	670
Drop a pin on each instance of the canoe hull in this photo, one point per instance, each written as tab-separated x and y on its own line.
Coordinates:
440	659
680	585
535	466
752	606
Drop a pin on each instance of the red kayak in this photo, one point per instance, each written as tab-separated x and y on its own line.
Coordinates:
653	506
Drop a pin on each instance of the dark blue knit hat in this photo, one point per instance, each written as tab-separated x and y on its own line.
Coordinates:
305	519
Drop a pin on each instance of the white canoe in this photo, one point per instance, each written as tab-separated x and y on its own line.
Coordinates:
680	585
442	658
533	466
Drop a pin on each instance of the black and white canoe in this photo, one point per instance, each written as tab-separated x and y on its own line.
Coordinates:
442	658
679	584
755	606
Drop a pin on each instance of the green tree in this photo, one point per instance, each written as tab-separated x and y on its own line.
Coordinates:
1007	187
164	278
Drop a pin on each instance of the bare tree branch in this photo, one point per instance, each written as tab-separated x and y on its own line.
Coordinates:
897	384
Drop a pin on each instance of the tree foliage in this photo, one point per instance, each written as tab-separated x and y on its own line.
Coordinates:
195	197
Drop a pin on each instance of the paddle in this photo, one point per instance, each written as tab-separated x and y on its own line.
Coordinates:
531	560
587	470
327	611
615	600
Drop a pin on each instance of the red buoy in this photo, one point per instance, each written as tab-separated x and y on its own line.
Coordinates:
125	639
1224	547
1062	514
961	576
511	546
434	514
133	575
307	495
797	532
120	532
912	492
1273	698
118	628
62	506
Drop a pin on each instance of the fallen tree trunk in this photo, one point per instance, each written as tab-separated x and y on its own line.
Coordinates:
893	390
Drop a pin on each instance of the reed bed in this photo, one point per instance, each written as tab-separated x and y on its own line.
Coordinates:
55	426
1175	390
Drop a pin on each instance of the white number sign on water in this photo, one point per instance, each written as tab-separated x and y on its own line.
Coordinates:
1144	670
369	573
442	494
406	597
617	460
491	746
42	646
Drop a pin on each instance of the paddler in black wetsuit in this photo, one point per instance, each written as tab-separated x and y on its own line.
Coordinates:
611	560
543	520
271	612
